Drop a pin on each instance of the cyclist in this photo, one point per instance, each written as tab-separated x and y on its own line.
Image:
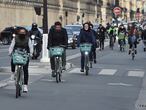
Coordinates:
86	36
101	31
132	38
121	34
35	31
96	43
112	34
57	36
21	41
143	37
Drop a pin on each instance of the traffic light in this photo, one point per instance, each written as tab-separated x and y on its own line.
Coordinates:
66	13
37	10
138	10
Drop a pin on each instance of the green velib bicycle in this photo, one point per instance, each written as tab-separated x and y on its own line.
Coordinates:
19	58
85	48
57	53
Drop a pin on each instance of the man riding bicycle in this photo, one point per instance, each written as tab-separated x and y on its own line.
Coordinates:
122	34
133	38
57	37
21	41
112	34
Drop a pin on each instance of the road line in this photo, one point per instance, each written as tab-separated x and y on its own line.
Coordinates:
107	72
75	70
136	74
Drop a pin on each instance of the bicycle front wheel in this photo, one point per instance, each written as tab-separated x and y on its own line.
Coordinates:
87	65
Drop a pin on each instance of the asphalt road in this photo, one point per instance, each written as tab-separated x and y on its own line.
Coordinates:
114	83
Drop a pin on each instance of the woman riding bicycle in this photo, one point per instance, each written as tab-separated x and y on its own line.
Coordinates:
21	41
86	36
132	38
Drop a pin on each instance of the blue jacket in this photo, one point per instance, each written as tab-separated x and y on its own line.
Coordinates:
86	37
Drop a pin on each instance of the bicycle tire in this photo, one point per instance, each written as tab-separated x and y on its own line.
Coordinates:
133	56
57	69
18	82
18	91
86	65
57	77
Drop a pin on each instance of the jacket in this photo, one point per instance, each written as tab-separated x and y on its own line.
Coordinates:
57	38
86	37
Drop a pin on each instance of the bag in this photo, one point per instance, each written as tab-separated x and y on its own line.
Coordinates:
56	51
19	57
86	47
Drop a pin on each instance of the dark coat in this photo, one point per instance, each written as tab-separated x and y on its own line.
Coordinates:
57	38
86	37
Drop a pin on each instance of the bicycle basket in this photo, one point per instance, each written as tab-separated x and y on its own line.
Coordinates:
19	58
56	51
85	47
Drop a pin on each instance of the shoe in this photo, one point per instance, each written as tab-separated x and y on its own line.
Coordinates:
53	73
63	68
129	52
135	51
95	61
25	89
82	70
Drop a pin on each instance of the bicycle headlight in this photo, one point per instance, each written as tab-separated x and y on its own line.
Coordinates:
33	36
86	53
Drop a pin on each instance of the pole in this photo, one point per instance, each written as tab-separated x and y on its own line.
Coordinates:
45	56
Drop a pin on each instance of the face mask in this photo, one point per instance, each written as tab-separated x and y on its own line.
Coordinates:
22	36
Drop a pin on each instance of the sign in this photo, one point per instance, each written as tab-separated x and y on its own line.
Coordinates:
117	11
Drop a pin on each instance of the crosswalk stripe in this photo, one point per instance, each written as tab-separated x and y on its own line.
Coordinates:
75	70
107	72
136	73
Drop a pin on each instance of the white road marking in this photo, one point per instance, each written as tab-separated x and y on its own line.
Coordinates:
119	84
107	72
136	73
75	70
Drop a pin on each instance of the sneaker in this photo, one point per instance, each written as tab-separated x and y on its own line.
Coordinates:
63	68
135	51
53	73
82	70
129	52
25	89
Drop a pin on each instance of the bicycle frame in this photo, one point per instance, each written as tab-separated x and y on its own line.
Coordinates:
19	80
133	51
86	56
58	68
122	45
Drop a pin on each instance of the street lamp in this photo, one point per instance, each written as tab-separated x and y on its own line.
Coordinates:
45	56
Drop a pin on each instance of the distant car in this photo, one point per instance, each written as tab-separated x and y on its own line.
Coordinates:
95	26
6	35
75	29
72	39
